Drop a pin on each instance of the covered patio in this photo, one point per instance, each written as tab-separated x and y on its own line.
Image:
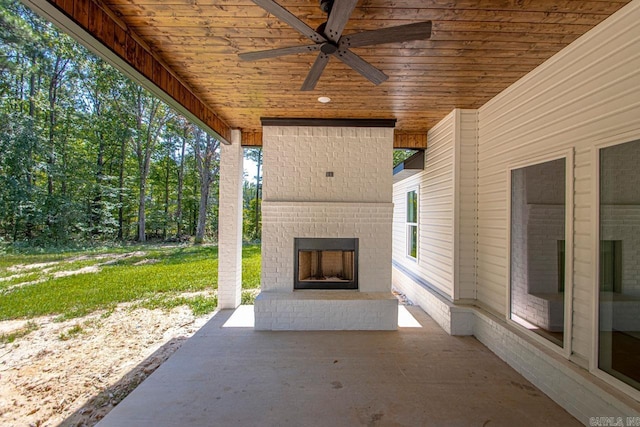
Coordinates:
491	88
231	374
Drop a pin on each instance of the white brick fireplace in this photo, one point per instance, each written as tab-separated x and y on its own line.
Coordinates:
326	182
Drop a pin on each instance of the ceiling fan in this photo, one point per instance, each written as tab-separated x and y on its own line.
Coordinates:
329	41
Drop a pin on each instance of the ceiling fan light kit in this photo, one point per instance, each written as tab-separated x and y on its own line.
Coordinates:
328	39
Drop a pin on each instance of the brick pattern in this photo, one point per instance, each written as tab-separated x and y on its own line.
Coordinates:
230	219
623	223
321	310
537	224
369	222
620	180
296	160
301	200
534	268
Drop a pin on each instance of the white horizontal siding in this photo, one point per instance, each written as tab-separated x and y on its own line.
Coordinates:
466	198
584	228
436	212
585	94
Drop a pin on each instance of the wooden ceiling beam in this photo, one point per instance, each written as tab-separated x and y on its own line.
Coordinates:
401	140
89	21
410	141
251	139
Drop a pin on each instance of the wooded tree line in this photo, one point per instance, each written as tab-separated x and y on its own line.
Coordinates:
87	154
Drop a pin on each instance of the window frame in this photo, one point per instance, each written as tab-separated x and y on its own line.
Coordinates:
567	154
594	360
409	225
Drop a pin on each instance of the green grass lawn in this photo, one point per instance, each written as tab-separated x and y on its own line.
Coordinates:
152	275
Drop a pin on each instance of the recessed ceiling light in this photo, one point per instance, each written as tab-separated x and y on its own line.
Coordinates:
324	99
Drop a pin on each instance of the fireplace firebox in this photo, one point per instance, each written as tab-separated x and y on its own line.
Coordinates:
325	263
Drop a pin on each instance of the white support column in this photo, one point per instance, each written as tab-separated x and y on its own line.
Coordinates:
230	224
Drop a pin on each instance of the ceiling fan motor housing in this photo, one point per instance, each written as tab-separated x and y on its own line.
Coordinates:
328	48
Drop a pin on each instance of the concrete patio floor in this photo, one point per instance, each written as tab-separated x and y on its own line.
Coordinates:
230	375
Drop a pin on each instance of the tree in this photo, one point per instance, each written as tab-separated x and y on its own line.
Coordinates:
208	164
253	229
151	115
401	155
186	132
86	154
106	131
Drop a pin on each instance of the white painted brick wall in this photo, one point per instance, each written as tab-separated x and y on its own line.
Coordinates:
296	160
230	220
299	200
369	222
534	266
326	310
623	223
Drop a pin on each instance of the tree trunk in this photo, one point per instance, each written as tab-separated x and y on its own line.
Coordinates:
32	93
202	164
202	210
257	207
166	192
53	98
181	184
121	191
194	211
142	220
96	208
30	175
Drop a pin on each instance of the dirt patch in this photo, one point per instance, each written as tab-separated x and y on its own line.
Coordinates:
83	270
46	268
36	266
108	256
147	261
73	372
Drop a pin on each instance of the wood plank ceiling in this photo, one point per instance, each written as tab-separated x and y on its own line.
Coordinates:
477	49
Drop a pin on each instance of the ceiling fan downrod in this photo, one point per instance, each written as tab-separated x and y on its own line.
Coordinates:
326	5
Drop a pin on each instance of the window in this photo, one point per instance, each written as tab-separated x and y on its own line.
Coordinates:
611	266
619	255
412	224
537	261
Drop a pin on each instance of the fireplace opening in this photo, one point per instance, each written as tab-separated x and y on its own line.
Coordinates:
325	263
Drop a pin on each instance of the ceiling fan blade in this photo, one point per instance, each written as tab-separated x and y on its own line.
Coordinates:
370	72
274	53
338	17
315	72
402	33
284	15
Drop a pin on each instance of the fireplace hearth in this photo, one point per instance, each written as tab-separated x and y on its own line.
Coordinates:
325	263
